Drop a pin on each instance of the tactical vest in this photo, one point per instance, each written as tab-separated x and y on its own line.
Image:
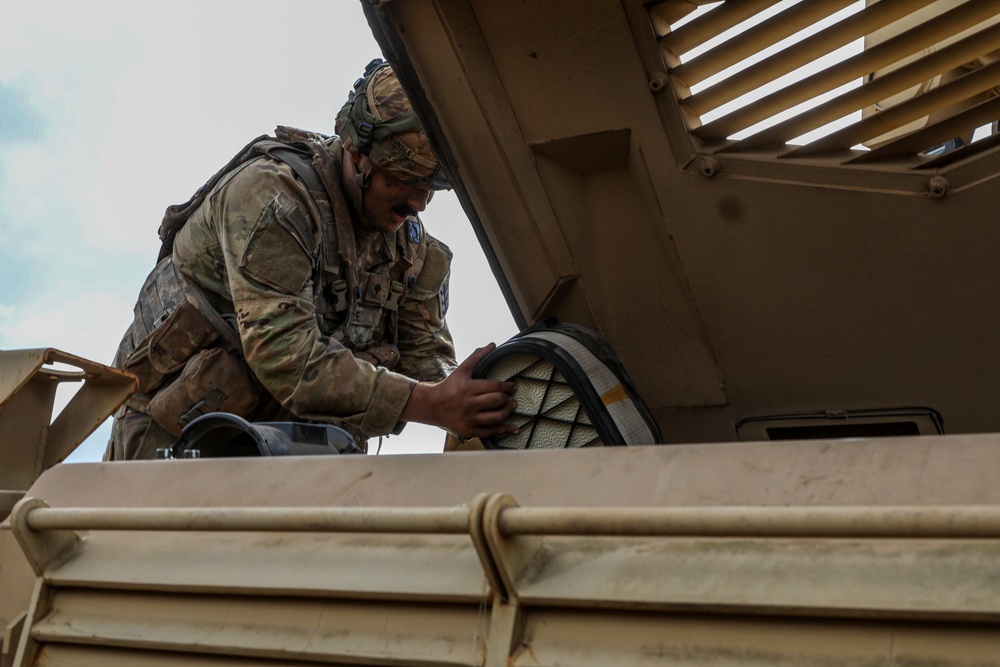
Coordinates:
188	357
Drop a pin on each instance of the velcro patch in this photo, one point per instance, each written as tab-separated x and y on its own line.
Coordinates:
274	255
437	264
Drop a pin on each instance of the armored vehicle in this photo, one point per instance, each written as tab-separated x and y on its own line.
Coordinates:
779	215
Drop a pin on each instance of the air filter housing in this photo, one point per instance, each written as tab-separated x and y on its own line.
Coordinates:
571	390
223	435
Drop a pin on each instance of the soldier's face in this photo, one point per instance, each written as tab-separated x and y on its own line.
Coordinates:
388	201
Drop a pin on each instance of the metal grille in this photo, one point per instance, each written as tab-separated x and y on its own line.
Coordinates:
894	81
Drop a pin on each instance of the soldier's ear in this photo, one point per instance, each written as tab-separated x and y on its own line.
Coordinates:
360	161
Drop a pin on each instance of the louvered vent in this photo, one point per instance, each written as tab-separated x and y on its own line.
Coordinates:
898	83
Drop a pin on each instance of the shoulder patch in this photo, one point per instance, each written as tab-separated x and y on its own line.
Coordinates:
437	265
275	254
414	231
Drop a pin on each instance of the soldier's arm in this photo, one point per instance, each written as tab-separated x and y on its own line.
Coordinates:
462	405
447	396
264	221
426	350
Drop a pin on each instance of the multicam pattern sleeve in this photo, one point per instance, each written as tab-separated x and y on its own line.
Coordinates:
254	246
426	350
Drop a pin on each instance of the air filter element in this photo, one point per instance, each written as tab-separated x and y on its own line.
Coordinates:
571	391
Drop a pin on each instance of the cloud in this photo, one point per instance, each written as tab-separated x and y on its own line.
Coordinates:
84	323
18	278
19	118
57	103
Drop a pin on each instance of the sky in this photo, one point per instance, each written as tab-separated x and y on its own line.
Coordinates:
111	111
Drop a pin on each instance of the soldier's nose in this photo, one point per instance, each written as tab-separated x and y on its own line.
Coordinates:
418	198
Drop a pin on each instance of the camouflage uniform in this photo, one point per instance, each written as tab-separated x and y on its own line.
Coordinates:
256	250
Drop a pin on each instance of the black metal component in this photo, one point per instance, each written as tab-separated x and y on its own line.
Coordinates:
220	434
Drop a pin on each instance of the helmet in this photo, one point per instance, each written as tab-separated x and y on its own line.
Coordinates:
378	121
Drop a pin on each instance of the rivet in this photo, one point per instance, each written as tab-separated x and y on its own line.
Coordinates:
938	186
658	81
708	166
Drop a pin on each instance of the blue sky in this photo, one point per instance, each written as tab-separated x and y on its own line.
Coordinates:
110	111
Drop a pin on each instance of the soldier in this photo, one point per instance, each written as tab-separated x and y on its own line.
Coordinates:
299	283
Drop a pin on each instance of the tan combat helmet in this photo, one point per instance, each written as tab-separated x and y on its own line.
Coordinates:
378	121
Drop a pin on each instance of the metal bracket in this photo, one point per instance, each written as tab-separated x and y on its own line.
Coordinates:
478	534
41	548
510	555
502	559
506	625
11	639
27	394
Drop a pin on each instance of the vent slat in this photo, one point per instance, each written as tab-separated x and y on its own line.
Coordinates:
710	24
879	89
754	40
967	151
980	114
973	83
858	82
279	628
808	50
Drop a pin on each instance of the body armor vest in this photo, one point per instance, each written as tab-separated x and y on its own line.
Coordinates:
175	328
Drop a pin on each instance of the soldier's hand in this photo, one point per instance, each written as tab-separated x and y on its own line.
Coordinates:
465	406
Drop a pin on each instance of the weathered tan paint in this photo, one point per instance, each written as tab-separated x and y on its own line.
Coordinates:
736	281
644	588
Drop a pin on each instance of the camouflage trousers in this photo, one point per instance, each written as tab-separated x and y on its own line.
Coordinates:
135	436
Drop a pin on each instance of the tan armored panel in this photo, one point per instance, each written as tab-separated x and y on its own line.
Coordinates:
766	553
690	180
